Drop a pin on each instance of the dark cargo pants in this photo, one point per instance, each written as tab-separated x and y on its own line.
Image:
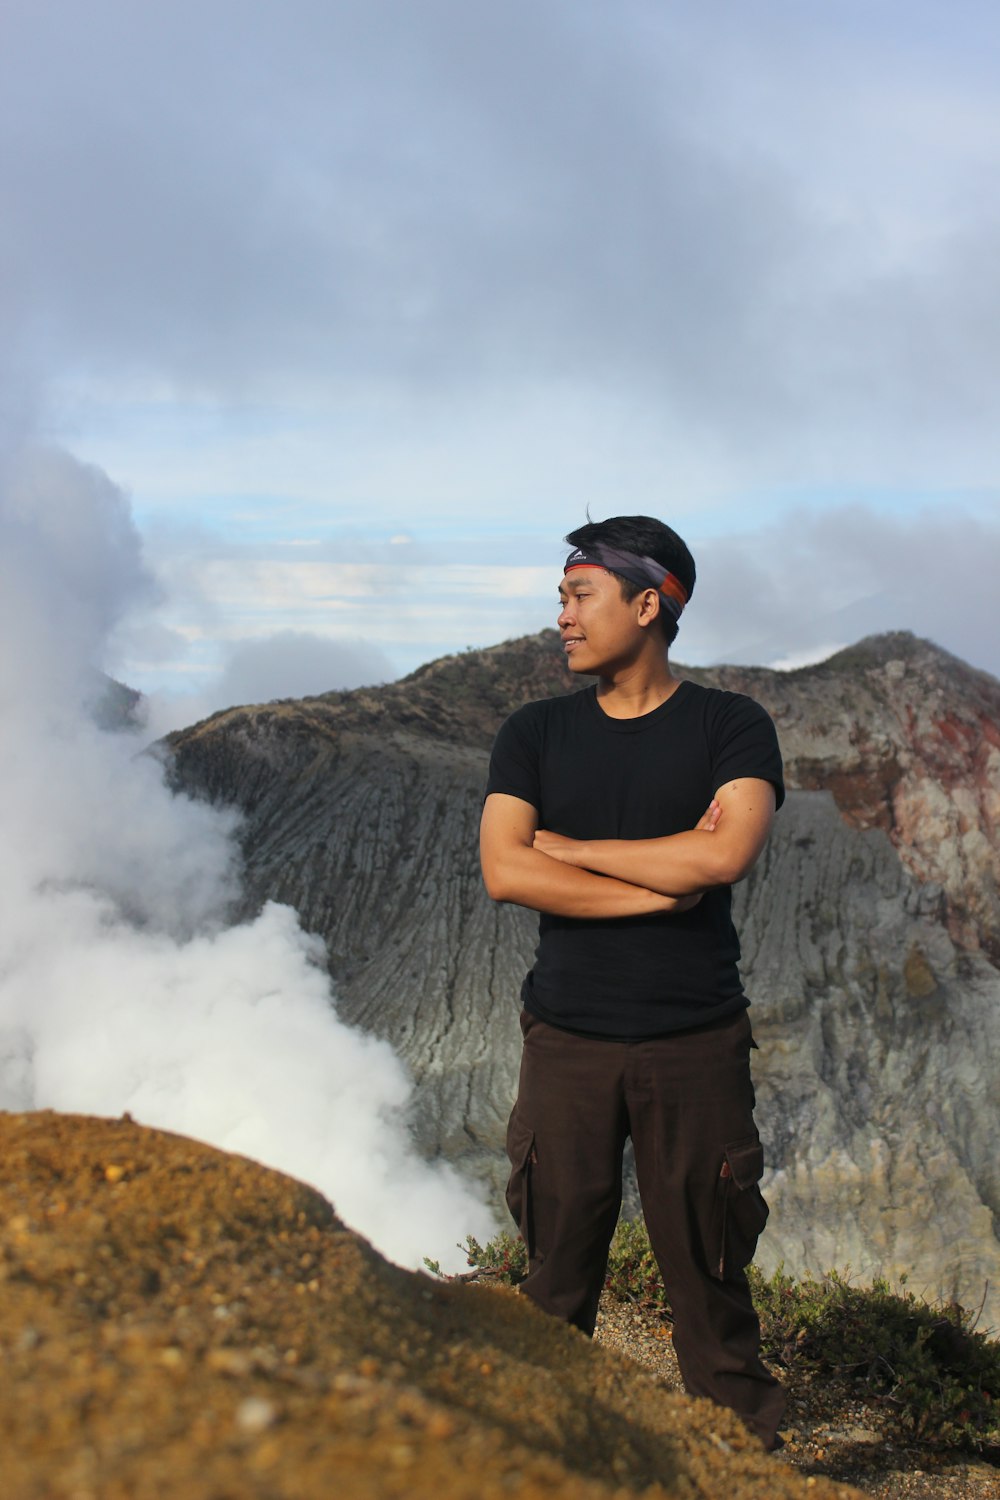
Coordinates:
687	1102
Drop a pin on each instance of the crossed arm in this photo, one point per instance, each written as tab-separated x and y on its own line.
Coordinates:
590	878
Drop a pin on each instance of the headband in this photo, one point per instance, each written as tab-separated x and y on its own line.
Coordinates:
645	571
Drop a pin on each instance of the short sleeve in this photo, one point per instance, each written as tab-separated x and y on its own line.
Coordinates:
514	763
745	743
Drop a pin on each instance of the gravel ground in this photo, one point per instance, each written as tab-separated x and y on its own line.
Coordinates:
177	1323
829	1431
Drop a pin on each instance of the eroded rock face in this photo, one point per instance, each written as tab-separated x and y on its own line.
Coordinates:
907	739
180	1324
877	1097
868	927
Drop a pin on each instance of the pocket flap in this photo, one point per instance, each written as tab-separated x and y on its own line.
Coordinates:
746	1162
520	1142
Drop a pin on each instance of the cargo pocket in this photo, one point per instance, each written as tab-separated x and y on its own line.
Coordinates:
521	1153
741	1212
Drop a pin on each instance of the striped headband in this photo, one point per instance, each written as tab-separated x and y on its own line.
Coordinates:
645	571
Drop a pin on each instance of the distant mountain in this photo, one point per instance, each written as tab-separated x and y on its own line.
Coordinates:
113	706
870	926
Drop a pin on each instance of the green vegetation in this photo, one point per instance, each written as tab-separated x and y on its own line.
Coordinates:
937	1376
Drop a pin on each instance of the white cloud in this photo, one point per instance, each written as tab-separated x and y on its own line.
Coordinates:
298	664
312	282
783	592
749	240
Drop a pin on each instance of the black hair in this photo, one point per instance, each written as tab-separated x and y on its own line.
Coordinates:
647	537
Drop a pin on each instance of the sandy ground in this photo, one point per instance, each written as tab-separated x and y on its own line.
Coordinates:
178	1322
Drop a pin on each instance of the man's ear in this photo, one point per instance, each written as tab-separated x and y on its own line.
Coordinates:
649	607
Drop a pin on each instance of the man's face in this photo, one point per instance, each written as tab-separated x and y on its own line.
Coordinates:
599	629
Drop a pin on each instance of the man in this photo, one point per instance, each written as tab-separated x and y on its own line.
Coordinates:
623	814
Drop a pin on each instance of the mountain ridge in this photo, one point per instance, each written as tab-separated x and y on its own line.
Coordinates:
869	926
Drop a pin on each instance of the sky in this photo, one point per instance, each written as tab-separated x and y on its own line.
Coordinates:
357	308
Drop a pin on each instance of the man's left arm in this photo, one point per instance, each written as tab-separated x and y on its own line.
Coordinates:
682	863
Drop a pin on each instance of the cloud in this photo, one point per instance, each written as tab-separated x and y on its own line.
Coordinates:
783	590
437	270
124	984
536	205
298	664
288	615
787	591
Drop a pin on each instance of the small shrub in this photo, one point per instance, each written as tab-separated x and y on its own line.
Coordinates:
940	1377
633	1275
505	1258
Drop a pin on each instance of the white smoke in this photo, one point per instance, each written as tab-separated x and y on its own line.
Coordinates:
122	985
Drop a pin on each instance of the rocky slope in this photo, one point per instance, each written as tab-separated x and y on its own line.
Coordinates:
113	706
179	1324
869	928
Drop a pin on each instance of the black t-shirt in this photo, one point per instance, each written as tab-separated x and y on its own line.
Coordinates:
593	777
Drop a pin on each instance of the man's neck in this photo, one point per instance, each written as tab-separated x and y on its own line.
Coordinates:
637	689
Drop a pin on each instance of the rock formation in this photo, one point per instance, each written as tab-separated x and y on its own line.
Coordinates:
869	927
113	706
180	1324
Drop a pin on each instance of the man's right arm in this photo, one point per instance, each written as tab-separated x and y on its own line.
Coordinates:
514	871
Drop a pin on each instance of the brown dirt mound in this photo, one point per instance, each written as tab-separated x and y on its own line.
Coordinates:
179	1322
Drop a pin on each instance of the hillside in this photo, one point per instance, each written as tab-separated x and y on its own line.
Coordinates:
869	927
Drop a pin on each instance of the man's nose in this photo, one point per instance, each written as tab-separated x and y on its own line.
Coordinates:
565	614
